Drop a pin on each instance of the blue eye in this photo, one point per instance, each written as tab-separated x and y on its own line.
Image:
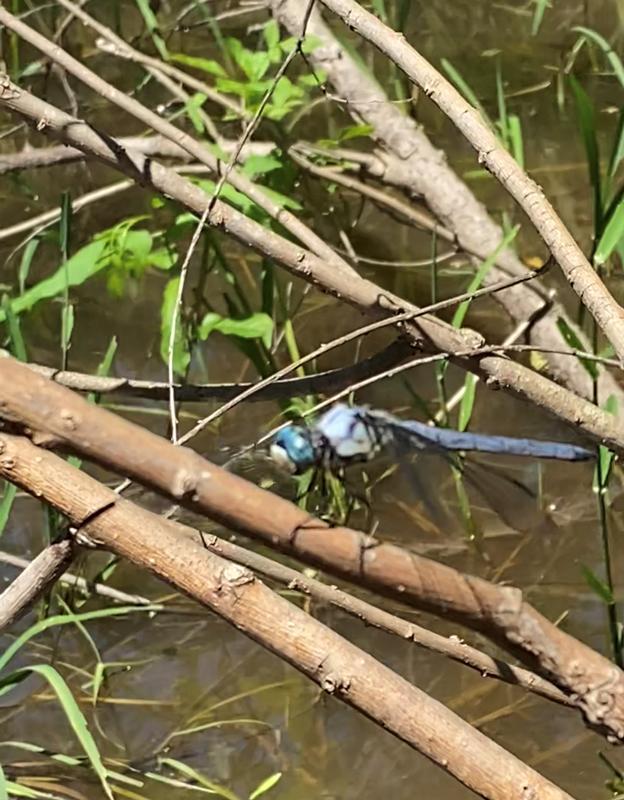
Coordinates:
294	445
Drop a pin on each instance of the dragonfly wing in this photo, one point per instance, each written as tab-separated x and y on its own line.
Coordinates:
510	499
513	501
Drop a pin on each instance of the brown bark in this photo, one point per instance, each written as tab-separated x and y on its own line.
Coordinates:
170	551
57	416
428	333
407	159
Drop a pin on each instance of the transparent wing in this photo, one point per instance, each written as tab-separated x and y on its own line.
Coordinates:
513	501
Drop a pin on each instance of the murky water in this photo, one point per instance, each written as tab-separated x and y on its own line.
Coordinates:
188	669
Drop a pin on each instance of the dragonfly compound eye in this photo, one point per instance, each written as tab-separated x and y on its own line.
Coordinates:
293	449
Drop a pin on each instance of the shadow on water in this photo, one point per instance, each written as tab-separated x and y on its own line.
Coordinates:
184	685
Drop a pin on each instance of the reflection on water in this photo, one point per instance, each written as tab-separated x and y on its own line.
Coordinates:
197	690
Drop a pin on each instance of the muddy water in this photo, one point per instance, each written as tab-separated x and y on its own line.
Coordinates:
188	669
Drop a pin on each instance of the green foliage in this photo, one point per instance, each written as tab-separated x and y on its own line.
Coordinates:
256	326
52	676
152	25
572	340
6	504
251	79
181	349
123	253
538	14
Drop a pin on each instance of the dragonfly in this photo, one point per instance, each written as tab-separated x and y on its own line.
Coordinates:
349	434
346	435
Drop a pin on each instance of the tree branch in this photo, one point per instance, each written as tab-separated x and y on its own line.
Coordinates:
57	416
174	554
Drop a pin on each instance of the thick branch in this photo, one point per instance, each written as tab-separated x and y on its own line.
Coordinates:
582	278
58	416
36	579
427	333
409	161
170	551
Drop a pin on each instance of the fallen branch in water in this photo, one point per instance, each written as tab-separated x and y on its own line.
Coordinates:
427	333
175	554
56	416
580	275
407	159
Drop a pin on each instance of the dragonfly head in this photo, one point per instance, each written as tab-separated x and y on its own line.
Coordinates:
293	449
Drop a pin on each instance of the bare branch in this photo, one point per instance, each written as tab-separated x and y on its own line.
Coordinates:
57	416
428	334
582	278
169	551
36	579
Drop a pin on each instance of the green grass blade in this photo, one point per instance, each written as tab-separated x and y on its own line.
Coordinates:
538	15
26	262
612	235
266	785
66	619
617	154
573	341
6	504
467	402
516	143
151	23
465	89
587	124
17	343
74	716
195	776
611	56
85	263
4	794
479	277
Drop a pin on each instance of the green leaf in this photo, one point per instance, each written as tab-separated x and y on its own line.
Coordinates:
597	585
467	401
271	34
587	124
538	15
267	783
181	352
204	64
197	776
515	138
74	716
18	346
67	326
617	153
464	88
4	795
192	106
479	276
26	261
260	165
609	52
611	235
285	98
355	132
310	43
572	340
254	65
152	25
66	619
256	326
6	504
85	263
